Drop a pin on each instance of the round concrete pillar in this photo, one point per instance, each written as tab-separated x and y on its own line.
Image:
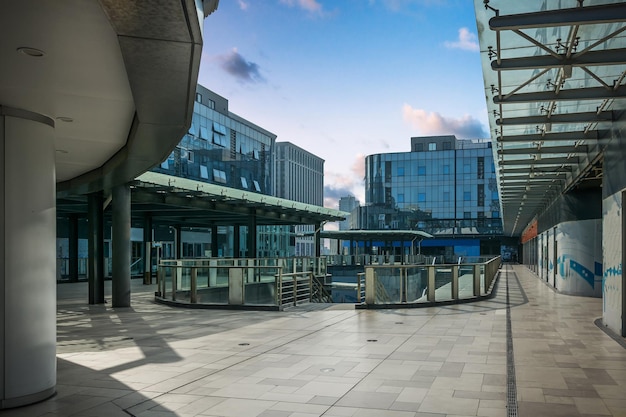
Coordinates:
27	258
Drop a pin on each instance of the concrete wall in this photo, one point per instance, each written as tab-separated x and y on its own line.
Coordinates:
613	254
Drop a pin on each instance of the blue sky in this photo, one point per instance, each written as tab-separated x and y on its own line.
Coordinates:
350	78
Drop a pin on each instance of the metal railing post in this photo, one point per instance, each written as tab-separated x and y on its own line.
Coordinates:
295	290
455	282
370	286
476	280
431	283
193	299
174	281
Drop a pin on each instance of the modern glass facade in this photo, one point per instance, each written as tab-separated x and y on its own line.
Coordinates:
223	148
444	186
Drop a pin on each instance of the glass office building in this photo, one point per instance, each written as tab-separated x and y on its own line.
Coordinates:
444	186
223	148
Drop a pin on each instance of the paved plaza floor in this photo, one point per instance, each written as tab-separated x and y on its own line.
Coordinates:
152	360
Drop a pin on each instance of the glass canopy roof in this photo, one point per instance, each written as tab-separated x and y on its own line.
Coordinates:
554	78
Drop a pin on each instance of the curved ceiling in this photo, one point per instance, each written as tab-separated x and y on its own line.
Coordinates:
117	77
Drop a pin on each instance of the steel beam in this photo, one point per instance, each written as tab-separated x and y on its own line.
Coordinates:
535	170
553	137
605	116
542	161
589	15
544	150
576	94
593	58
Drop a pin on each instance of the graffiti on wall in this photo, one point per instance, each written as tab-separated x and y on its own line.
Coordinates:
612	252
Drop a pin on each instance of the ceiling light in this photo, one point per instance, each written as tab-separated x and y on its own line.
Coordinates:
34	52
65	119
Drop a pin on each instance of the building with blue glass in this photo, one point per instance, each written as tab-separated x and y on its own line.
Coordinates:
443	186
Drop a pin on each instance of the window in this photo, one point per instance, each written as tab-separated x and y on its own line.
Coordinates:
432	146
219	176
221	129
446	196
421	197
255	154
467	215
244	182
190	156
467	168
400	171
204	133
211	104
494	195
199	97
480	188
467	196
421	170
257	187
204	172
495	214
218	139
446	169
481	167
447	146
400	198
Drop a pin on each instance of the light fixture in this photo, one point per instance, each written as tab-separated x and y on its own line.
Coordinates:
33	52
65	119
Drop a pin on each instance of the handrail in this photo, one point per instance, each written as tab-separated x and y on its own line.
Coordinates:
428	284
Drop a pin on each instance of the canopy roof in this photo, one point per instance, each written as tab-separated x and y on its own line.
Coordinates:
554	82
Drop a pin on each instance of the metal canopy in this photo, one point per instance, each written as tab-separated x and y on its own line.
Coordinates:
554	81
179	201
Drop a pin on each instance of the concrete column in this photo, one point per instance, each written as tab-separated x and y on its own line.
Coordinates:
236	241
96	247
120	290
318	240
147	249
178	249
214	246
73	246
252	237
27	258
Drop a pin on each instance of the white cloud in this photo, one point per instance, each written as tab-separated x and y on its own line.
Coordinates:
243	5
467	41
309	5
434	123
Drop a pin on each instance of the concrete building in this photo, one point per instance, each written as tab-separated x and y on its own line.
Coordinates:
299	176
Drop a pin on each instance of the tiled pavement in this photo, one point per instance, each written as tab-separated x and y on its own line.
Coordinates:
151	360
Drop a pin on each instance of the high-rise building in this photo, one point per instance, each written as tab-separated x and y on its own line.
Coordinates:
445	187
299	176
348	204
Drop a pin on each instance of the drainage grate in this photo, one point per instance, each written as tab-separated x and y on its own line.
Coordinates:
511	387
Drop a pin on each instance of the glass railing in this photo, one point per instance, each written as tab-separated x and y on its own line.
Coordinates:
276	282
415	284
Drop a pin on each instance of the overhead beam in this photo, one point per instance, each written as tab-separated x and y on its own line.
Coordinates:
552	137
574	94
535	169
544	150
589	15
605	116
542	161
592	58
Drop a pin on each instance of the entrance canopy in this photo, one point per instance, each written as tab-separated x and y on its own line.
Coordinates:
554	76
179	201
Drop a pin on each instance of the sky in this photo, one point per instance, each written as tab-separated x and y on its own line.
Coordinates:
344	79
